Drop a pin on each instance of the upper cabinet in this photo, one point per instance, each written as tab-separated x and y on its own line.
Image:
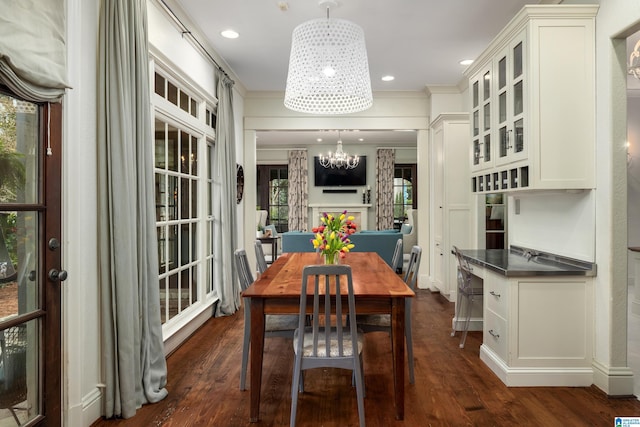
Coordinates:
533	103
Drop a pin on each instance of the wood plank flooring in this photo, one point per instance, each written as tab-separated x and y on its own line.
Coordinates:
453	387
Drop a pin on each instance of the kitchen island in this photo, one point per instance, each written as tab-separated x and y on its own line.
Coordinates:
537	316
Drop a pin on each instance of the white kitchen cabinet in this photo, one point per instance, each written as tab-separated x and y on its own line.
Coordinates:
451	222
536	130
538	330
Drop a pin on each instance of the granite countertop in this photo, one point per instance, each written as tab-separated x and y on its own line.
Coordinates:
517	262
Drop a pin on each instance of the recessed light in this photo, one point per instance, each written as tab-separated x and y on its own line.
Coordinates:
387	78
466	62
229	34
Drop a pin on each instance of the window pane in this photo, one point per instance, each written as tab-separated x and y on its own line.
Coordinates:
172	148
159	84
172	197
160	150
161	197
184	102
172	93
184	152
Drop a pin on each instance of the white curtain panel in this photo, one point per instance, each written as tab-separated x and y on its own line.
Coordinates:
134	366
33	48
226	281
385	164
298	190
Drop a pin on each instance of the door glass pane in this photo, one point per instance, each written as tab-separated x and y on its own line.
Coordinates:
486	85
502	107
487	116
475	94
19	152
487	148
503	142
18	263
517	61
517	98
518	128
476	126
476	152
160	150
502	73
19	373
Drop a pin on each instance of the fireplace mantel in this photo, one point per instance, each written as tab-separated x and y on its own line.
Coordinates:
359	211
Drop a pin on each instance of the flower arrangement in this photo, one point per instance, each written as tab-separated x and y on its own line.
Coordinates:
332	236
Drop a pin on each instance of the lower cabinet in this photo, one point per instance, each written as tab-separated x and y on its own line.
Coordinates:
538	331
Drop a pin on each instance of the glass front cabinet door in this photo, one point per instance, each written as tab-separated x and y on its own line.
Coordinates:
482	114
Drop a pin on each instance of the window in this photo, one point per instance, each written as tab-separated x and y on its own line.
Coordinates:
183	160
404	192
273	194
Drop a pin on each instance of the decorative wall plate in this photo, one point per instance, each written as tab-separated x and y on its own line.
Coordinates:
239	182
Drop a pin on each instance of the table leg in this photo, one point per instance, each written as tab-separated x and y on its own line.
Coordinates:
397	335
256	349
274	250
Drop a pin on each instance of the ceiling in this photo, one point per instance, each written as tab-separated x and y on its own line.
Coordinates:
419	42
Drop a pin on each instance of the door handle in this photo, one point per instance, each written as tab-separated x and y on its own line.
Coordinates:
57	276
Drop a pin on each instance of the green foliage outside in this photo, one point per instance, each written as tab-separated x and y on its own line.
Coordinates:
12	173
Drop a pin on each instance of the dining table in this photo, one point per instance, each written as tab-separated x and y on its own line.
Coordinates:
377	290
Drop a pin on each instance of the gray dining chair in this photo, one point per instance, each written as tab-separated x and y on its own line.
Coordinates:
396	260
261	261
322	344
274	324
382	322
466	291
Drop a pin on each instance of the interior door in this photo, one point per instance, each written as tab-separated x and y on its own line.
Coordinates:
30	275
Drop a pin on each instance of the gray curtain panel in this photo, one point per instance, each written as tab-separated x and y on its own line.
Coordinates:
134	365
33	51
384	188
224	207
298	190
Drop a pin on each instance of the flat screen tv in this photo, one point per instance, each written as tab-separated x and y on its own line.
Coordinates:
327	177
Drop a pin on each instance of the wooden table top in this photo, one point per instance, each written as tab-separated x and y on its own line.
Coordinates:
372	277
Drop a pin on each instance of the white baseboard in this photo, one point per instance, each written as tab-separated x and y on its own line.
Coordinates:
614	381
536	377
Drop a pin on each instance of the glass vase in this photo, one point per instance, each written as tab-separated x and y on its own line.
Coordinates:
332	258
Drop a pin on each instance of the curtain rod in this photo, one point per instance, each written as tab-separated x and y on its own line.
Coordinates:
185	30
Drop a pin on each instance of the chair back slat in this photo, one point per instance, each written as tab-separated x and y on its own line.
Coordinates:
261	261
396	260
325	306
411	276
244	270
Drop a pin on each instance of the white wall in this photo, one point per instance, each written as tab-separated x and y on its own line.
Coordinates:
279	156
557	222
80	304
611	374
633	176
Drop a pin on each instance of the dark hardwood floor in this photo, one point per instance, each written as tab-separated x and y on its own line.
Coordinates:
453	387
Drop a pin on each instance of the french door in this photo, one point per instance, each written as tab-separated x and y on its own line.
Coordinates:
30	257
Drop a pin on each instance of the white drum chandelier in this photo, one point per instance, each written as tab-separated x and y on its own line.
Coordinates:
328	67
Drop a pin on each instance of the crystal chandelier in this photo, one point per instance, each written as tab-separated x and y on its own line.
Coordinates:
339	159
328	67
634	61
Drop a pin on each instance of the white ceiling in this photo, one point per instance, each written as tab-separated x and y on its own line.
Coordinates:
420	42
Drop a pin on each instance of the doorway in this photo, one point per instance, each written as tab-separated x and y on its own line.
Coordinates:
30	254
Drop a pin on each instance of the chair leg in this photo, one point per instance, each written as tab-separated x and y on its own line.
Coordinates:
466	322
360	390
13	412
409	339
295	385
245	348
456	315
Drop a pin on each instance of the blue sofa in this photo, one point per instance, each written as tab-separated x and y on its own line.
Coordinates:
382	242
